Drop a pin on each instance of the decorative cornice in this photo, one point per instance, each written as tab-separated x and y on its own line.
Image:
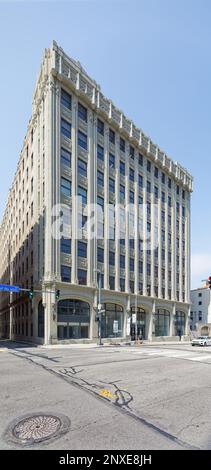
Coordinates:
71	72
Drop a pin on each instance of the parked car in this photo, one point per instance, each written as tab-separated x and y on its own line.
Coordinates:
201	341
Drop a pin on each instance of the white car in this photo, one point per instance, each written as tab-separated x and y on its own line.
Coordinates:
201	341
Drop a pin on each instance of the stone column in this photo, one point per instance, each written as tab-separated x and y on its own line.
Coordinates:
74	274
117	216
91	198
50	333
144	233
127	202
172	321
106	209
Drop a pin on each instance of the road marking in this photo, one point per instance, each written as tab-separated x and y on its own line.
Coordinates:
106	393
188	355
197	358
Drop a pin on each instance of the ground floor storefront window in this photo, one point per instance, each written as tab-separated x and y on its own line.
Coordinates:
112	321
73	317
139	315
162	322
179	323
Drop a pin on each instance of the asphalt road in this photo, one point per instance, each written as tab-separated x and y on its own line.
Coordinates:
146	397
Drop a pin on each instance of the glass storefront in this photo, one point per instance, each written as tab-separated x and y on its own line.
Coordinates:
112	321
179	323
141	323
73	317
162	322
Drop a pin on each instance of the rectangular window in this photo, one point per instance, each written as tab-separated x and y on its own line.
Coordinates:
163	179
66	245
83	194
111	136
122	261
178	191
183	211
65	187
140	159
65	157
111	258
122	144
132	243
148	187
100	201
100	178
66	99
140	181
156	172
82	249
131	174
169	183
100	152
131	196
82	140
100	254
65	273
140	267
132	152
111	185
122	284
131	264
82	112
163	196
132	286
122	192
148	166
82	277
156	192
111	160
112	282
82	168
169	201
148	269
100	127
66	128
122	168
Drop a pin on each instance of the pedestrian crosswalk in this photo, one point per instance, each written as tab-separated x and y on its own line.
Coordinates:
200	356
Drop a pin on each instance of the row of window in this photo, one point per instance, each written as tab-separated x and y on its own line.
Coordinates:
82	280
82	170
82	140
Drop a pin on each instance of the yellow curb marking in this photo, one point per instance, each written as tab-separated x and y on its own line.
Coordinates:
106	393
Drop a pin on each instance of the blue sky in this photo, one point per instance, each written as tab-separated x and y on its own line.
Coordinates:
151	57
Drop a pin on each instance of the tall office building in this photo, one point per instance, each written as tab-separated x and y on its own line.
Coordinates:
81	151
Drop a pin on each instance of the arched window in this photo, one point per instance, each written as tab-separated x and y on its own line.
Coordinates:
162	322
112	321
73	317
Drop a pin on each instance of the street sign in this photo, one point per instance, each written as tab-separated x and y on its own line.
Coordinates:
5	288
115	326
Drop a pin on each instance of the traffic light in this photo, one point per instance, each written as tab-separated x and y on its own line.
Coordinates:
57	294
209	282
31	294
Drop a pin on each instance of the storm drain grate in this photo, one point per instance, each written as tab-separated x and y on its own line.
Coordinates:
33	429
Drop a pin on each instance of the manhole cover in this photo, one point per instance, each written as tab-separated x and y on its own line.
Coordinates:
32	429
